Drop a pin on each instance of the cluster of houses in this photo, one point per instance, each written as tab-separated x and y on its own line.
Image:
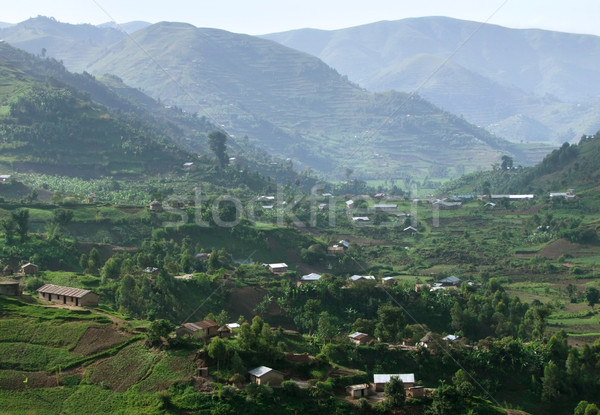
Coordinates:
378	385
206	329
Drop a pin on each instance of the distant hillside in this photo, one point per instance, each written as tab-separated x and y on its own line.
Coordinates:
295	106
51	127
128	27
487	73
575	166
75	45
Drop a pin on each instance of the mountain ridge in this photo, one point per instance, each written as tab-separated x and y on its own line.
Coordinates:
541	72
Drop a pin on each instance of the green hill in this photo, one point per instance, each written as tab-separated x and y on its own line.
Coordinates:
295	106
574	166
485	72
51	127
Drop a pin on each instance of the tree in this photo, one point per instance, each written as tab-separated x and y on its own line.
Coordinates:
552	383
390	324
394	393
592	295
217	141
157	330
9	226
62	217
21	219
326	331
218	349
507	163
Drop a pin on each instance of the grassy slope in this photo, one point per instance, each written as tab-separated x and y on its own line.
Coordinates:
320	119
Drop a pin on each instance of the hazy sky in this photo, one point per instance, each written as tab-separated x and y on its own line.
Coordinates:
268	16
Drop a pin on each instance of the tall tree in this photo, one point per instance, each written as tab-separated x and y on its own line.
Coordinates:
21	218
217	141
394	393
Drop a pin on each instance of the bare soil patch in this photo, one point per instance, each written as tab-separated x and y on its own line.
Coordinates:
561	247
96	339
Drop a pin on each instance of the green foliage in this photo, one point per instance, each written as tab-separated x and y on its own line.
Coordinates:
394	393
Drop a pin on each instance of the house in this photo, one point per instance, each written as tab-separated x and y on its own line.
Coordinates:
360	219
185	277
204	329
4	178
29	269
444	205
335	249
227	330
362	277
312	277
263	375
410	229
426	340
415	392
155	206
188	165
323	206
349	204
278	268
338	248
380	380
68	295
450	281
202	256
379	195
10	288
358	391
490	204
385	208
360	338
388	281
450	338
327	195
150	270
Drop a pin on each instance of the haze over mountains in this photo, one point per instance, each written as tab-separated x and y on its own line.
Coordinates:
530	85
294	105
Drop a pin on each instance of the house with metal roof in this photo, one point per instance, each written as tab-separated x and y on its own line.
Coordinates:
68	295
204	329
380	380
264	375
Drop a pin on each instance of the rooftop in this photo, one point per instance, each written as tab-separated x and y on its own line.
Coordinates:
404	377
66	291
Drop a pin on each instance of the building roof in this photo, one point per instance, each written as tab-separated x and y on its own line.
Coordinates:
362	277
206	324
278	265
260	371
233	325
404	377
450	337
450	280
357	335
409	228
387	279
344	243
360	218
311	277
357	387
184	277
29	264
385	206
66	291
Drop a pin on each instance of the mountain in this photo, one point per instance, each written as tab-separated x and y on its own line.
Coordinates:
295	106
485	72
4	24
128	27
75	45
51	127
